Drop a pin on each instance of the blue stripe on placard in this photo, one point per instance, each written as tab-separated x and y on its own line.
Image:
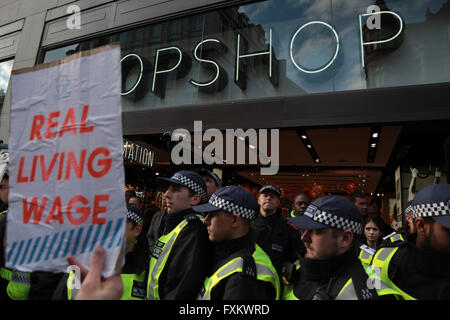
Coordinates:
42	248
52	243
11	250
87	239
97	233
116	231
119	242
36	243
77	241
19	250
58	249
66	250
27	247
106	234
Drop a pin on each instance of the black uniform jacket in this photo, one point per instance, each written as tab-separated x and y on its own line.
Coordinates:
280	240
325	276
190	259
423	274
239	286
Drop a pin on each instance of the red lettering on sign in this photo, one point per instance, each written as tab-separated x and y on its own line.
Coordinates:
84	211
69	124
20	177
83	128
78	167
78	204
105	163
32	210
99	209
58	216
38	123
51	125
72	126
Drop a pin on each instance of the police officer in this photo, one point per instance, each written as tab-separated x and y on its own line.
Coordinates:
418	267
330	269
178	263
133	273
280	240
212	181
241	269
14	285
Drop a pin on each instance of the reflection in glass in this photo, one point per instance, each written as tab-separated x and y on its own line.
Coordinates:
275	36
5	74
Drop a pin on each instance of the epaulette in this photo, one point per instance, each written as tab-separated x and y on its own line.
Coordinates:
191	217
394	240
368	249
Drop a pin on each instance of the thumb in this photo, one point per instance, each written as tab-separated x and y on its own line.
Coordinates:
97	264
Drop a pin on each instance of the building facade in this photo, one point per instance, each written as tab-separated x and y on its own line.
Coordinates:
343	67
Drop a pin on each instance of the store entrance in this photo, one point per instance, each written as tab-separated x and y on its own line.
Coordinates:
377	160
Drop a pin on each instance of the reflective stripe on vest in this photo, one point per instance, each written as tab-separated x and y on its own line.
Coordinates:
396	237
19	283
160	253
264	272
133	286
348	291
366	254
380	265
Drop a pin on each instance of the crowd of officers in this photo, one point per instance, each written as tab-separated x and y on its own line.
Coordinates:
220	243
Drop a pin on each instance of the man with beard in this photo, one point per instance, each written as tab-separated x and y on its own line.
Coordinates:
418	267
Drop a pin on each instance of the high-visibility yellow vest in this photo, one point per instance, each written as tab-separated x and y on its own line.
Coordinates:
381	261
264	272
160	253
19	283
348	291
366	254
133	286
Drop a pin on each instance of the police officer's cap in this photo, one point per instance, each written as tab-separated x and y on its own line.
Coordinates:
232	199
330	211
214	176
433	201
270	188
408	207
134	214
190	179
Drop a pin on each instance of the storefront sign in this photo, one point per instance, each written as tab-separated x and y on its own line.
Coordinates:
168	59
134	152
67	174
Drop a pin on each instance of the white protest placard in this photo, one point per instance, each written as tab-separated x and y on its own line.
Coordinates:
66	168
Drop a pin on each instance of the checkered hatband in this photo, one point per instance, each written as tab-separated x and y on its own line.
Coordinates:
231	207
431	210
408	209
191	184
134	217
333	220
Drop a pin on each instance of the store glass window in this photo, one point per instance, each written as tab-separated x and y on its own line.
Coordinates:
5	74
281	48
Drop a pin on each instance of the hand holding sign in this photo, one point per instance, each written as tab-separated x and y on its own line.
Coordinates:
93	286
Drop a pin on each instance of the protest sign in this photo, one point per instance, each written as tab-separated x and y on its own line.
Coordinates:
66	167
